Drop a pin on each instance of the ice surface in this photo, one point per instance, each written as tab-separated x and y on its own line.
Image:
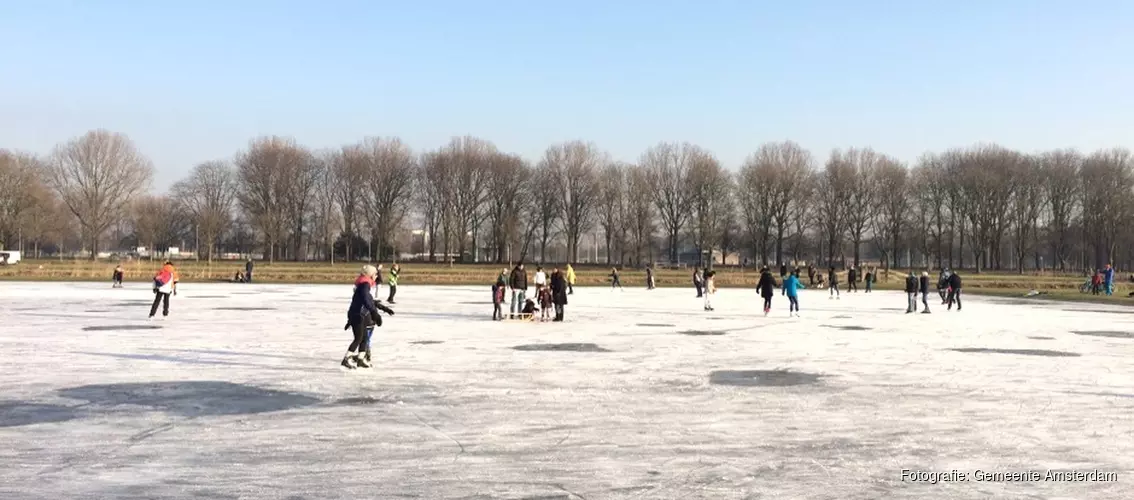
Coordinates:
238	394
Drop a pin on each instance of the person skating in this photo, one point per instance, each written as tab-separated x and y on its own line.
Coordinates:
783	270
165	284
911	293
560	289
378	281
852	280
570	280
544	296
518	282
362	316
698	282
766	286
811	274
1108	281
870	277
498	297
791	287
710	289
116	278
954	290
394	270
248	270
649	277
614	281
833	283
923	285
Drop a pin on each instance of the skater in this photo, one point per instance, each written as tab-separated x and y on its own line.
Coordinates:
498	297
1108	281
540	280
833	283
698	282
518	282
560	289
649	277
783	270
362	316
766	286
116	278
852	280
792	286
165	284
614	281
943	285
811	274
570	280
870	277
378	283
911	293
248	270
710	289
544	295
394	270
923	286
954	291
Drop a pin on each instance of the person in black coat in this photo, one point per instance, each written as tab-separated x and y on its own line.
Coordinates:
766	286
833	282
558	293
852	280
362	316
518	282
248	271
911	293
924	289
954	290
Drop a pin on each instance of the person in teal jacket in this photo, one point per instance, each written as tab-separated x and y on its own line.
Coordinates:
792	286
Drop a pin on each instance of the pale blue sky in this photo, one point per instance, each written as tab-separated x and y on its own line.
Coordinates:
194	81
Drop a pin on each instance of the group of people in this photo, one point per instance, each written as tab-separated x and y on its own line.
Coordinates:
1102	281
551	292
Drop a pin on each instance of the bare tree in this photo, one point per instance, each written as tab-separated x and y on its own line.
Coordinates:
21	176
710	189
931	195
265	172
890	180
668	167
574	167
158	222
545	205
390	169
209	195
987	181
97	176
755	202
1028	206
833	188
786	166
861	197
507	180
1060	172
349	168
612	200
640	211
434	183
1108	181
327	221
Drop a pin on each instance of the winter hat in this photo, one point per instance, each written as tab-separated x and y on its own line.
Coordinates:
369	270
925	273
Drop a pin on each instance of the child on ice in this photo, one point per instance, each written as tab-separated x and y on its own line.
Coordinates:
117	277
362	318
791	287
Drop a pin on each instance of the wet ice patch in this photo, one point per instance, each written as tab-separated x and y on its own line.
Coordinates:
427	342
572	347
1023	352
851	328
1105	333
20	413
656	325
190	398
763	378
119	328
702	332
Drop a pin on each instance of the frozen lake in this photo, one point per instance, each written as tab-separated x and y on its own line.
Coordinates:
238	394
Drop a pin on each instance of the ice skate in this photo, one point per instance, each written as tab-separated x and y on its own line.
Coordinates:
348	362
925	311
367	355
361	361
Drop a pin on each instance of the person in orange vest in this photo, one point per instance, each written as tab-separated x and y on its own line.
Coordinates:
165	284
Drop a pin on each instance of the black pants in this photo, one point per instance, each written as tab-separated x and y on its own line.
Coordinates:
793	303
496	311
698	287
615	283
393	291
160	298
868	288
767	303
954	295
570	288
925	299
558	312
852	286
358	327
248	277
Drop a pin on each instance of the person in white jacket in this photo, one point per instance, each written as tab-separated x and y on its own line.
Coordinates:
540	280
710	289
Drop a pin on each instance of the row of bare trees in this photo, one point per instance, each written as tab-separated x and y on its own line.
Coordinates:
982	207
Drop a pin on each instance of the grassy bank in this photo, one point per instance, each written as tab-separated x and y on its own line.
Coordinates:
1014	285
